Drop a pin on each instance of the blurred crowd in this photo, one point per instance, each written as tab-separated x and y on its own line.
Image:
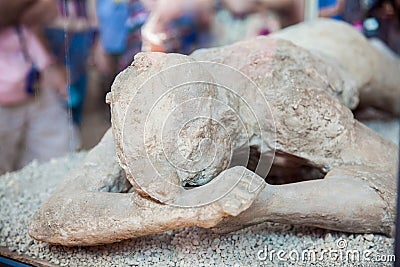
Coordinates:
48	48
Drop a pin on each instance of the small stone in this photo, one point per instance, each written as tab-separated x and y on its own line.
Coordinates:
369	237
147	253
216	241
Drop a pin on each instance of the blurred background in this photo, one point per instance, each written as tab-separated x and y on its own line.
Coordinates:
58	58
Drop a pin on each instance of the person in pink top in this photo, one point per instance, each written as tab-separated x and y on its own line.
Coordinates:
15	64
33	122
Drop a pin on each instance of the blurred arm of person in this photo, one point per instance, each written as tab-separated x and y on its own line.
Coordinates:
39	13
104	62
10	11
36	15
289	12
240	8
31	13
334	10
154	32
75	23
54	76
92	15
53	73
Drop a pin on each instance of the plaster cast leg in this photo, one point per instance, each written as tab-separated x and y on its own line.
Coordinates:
376	73
358	195
384	91
344	200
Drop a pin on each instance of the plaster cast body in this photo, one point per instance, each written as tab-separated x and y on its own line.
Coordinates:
308	123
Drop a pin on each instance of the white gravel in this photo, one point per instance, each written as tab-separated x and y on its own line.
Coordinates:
21	194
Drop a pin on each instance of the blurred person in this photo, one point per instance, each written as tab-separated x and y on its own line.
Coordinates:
155	32
353	13
289	12
119	37
383	22
118	40
71	36
182	27
119	25
331	8
34	124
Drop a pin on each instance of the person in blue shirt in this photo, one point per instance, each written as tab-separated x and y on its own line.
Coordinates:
70	38
331	8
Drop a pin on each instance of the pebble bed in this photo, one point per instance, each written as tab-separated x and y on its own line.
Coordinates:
21	194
